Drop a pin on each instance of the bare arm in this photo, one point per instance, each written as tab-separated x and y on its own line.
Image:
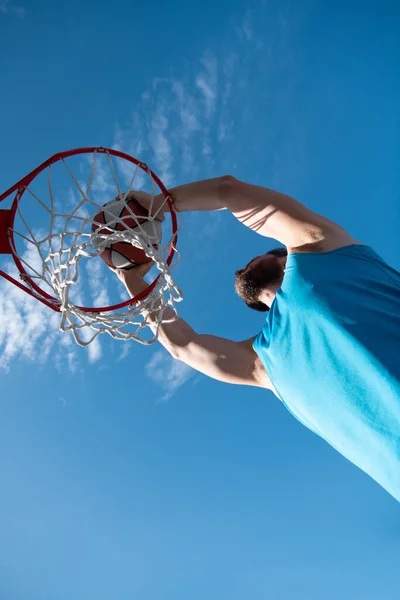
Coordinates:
267	212
219	358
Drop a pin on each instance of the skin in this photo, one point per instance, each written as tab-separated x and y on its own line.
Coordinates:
266	212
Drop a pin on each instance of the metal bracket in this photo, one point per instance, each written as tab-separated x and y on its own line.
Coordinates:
4	224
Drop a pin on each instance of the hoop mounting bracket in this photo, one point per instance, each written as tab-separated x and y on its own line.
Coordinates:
4	223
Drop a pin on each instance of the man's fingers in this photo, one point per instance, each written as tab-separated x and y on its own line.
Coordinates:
134	272
155	203
142	269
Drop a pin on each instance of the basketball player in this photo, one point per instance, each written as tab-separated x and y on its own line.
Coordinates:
330	345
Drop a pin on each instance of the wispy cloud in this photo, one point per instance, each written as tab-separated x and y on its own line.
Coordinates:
170	127
94	351
26	325
187	106
189	125
168	373
206	81
131	138
98	290
65	357
245	30
30	330
124	351
158	138
182	126
7	8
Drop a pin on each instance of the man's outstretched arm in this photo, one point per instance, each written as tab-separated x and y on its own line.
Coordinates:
219	358
267	212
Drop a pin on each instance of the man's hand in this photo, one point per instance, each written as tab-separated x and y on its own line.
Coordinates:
156	205
133	279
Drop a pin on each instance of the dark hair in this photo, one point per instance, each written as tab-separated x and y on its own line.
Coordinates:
278	252
260	306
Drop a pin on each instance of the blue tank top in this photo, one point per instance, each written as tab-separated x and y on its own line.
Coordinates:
331	347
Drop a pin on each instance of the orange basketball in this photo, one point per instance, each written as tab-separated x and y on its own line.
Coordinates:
117	216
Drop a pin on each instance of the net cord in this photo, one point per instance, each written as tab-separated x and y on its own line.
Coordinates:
59	253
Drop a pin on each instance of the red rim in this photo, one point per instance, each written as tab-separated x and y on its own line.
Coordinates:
20	188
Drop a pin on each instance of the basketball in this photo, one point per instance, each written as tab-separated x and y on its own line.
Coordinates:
117	216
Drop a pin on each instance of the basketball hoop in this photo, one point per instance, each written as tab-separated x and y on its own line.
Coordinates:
49	263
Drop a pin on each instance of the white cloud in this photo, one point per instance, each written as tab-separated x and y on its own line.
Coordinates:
30	330
103	180
29	252
124	351
94	351
188	111
72	361
10	9
27	328
168	373
131	139
245	30
222	132
98	289
189	114
169	128
173	128
207	84
228	71
160	145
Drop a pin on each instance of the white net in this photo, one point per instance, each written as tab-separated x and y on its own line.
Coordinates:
53	260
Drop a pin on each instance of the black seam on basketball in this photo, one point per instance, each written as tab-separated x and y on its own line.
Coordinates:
126	257
96	224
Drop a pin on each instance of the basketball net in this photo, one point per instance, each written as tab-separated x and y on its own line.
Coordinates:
57	256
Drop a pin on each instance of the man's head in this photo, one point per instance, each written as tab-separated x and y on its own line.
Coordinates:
259	281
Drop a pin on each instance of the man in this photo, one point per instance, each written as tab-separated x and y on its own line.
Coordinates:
330	346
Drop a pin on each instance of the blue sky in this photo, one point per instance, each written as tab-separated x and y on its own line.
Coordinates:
123	474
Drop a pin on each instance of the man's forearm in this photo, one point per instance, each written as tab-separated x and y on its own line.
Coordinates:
173	336
221	193
208	194
219	358
251	205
